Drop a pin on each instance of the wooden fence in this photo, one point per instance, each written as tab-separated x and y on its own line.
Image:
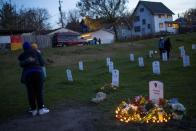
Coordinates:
42	41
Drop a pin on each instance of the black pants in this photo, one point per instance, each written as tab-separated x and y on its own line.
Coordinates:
34	84
160	52
168	54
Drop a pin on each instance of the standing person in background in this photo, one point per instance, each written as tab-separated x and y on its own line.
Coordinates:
34	46
161	47
32	76
99	40
168	46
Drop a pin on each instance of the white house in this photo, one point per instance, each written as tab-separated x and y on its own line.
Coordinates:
105	36
152	18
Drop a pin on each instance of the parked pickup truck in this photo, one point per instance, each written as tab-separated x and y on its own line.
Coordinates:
67	39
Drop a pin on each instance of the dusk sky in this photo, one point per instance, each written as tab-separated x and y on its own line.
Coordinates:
177	6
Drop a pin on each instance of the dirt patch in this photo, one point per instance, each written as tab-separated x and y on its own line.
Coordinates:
71	55
62	119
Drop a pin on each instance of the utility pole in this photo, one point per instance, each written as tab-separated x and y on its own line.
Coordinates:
61	14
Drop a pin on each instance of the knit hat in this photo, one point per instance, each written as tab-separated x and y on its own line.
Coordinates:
26	45
34	46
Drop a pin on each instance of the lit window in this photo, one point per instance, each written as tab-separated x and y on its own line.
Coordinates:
160	25
160	16
169	16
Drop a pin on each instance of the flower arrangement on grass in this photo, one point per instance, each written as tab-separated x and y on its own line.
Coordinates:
141	109
107	88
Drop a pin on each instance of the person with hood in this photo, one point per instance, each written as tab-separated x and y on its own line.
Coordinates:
32	76
168	46
161	46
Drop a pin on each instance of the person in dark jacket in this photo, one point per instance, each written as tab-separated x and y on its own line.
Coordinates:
161	46
32	76
168	47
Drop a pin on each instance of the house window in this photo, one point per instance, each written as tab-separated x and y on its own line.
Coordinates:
137	29
137	18
143	21
149	26
169	16
160	15
169	25
141	9
160	25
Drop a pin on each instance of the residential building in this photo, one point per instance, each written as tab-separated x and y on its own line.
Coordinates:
151	18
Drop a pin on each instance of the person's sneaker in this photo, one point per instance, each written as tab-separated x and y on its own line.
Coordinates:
43	111
33	112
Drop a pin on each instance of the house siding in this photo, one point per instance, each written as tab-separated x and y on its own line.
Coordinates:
148	17
163	19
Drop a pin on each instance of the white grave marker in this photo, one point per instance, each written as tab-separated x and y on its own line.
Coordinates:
131	57
186	61
193	46
164	56
141	61
155	91
182	51
151	53
111	66
115	78
156	67
81	66
108	61
69	75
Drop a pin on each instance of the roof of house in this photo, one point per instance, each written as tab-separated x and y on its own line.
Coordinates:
155	7
61	30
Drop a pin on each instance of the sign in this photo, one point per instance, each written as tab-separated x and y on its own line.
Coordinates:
182	51
115	78
44	71
5	39
69	75
81	67
155	91
108	61
151	53
16	42
111	66
141	61
131	57
193	46
186	61
164	56
156	67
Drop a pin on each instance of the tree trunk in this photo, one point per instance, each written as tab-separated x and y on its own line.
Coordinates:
115	32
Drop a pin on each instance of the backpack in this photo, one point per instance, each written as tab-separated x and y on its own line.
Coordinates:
161	44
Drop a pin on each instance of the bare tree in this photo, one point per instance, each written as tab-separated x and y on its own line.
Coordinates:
34	19
107	9
73	20
190	16
8	16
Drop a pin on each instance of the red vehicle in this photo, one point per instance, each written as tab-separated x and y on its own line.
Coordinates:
67	39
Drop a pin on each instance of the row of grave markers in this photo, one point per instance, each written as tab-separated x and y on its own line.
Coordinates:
155	65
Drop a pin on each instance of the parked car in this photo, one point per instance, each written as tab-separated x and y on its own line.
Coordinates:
67	39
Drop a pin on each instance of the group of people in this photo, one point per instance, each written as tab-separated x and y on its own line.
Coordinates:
32	76
164	46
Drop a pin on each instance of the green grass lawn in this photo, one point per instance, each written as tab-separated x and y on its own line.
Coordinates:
178	81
